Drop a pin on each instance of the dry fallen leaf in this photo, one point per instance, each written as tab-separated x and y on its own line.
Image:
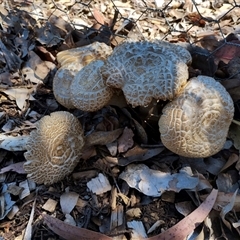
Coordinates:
185	207
6	202
183	228
15	167
70	220
26	189
235	93
155	226
141	134
13	212
140	131
226	182
227	51
12	60
117	217
234	134
29	228
99	17
228	208
233	158
223	199
48	35
214	165
20	95
143	156
137	230
5	78
202	61
126	140
69	232
50	205
35	70
102	137
99	184
11	143
154	183
68	201
231	83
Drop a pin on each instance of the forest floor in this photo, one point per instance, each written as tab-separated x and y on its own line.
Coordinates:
32	33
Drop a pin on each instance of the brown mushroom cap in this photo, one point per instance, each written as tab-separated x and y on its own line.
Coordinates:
72	61
147	70
54	148
88	90
195	124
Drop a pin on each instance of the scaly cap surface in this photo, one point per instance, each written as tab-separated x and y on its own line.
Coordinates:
147	70
54	148
195	124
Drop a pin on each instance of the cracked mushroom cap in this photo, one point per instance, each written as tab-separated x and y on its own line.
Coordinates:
88	90
72	61
147	70
54	148
195	124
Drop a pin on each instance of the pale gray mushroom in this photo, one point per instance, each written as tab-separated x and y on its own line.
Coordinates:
147	70
54	148
195	124
88	91
72	61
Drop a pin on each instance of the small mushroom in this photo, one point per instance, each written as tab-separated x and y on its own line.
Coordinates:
147	70
195	124
72	61
88	91
54	148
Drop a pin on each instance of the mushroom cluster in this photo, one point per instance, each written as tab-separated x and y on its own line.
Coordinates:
194	123
68	77
142	70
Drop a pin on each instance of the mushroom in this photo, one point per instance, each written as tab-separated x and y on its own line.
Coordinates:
54	148
195	124
147	70
61	84
72	61
88	91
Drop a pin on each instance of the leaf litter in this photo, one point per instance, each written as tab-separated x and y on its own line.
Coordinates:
127	184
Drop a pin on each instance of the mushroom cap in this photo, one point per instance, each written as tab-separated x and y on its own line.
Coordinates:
88	90
147	70
84	55
61	84
195	124
54	148
72	61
